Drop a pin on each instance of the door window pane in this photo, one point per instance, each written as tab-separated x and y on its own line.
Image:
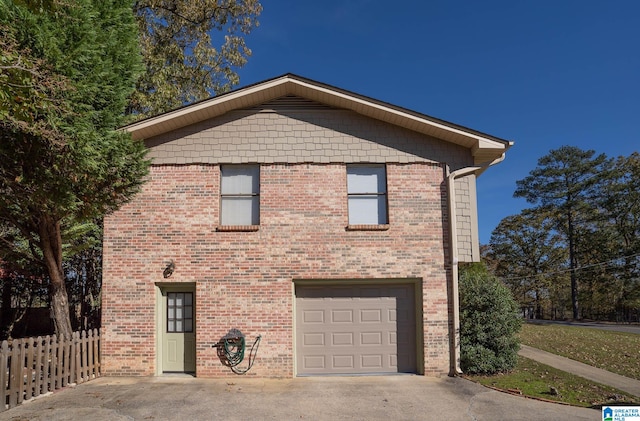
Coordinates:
179	314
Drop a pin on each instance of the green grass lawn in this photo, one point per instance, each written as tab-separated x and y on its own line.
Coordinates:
540	381
613	351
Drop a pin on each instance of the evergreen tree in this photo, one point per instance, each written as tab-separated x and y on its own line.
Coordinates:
75	167
619	228
565	186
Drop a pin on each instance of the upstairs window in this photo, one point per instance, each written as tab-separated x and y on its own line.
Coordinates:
240	195
367	194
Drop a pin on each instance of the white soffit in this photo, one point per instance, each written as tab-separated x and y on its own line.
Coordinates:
484	147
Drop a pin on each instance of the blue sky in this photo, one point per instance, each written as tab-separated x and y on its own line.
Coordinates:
542	73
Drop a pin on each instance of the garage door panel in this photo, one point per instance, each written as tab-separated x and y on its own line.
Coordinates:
343	362
372	361
314	339
358	331
314	362
313	316
371	338
342	316
342	339
371	316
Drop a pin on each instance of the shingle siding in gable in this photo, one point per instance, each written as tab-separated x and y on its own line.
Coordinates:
300	136
466	219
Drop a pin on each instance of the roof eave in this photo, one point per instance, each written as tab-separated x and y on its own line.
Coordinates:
483	147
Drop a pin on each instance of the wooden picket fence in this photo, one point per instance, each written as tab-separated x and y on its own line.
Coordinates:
30	367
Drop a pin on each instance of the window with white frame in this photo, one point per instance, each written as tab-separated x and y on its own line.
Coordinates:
240	195
367	194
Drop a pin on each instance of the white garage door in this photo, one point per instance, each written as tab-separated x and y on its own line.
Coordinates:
355	329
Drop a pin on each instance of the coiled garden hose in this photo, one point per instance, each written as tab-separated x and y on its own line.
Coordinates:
232	349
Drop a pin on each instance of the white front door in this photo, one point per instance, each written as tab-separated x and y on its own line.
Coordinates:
178	331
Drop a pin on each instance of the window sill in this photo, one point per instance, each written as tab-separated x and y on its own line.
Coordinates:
237	228
375	227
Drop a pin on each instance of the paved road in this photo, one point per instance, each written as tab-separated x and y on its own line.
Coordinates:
628	328
316	398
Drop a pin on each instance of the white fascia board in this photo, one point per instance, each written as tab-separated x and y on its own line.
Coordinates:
202	106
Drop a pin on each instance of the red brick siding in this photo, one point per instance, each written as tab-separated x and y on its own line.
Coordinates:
245	279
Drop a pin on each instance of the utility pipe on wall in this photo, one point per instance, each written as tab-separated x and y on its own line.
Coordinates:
453	252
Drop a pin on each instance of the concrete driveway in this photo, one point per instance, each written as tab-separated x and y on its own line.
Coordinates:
317	398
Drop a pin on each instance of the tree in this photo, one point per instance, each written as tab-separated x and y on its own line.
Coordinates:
489	323
28	85
182	63
620	222
565	186
526	248
76	166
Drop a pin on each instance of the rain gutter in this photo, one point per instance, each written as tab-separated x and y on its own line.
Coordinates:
453	252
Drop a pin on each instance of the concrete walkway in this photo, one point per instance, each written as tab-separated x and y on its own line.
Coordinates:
598	375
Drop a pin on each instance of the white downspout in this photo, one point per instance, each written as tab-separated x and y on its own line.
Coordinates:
453	244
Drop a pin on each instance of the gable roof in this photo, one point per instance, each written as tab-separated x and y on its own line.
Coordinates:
484	147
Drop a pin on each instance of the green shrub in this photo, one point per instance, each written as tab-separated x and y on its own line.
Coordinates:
489	322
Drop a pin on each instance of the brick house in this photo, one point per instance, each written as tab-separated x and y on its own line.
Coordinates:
328	222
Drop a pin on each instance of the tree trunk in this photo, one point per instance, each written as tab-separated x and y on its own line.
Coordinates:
51	246
60	310
573	265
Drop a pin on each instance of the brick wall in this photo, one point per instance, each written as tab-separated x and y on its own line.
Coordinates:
245	279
